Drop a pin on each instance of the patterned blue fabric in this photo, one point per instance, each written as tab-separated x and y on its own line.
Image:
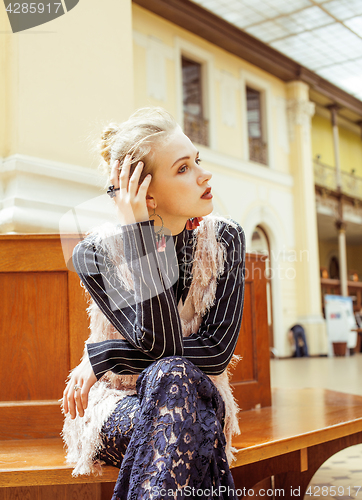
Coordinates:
168	439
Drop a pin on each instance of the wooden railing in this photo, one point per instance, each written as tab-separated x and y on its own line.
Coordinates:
326	176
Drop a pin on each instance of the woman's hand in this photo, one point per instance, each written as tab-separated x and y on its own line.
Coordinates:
131	199
82	377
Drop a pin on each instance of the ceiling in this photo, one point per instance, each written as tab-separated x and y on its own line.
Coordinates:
325	36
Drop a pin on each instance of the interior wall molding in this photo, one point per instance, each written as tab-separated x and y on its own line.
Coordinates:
50	168
37	194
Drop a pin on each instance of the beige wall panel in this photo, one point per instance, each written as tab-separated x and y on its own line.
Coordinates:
229	137
8	78
72	73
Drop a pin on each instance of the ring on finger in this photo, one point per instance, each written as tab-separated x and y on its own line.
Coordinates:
76	387
111	191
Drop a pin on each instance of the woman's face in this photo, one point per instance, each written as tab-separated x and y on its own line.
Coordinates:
178	183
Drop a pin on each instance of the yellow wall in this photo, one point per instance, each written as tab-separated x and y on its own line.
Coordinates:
229	139
350	145
322	140
67	78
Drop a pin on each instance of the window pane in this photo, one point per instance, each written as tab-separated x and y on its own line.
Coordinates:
191	84
257	146
253	110
196	127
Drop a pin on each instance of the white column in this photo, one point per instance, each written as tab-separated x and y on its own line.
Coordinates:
341	226
309	305
333	109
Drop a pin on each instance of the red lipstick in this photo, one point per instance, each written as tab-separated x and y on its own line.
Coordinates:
207	194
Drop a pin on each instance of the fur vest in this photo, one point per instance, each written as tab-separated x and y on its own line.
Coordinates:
82	435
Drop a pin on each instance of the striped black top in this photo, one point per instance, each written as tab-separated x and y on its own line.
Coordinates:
147	317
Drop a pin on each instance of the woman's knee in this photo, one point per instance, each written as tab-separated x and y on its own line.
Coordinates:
175	375
171	365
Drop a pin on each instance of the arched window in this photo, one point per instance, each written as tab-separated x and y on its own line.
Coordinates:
334	268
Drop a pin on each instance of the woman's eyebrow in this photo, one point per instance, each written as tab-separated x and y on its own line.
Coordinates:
184	158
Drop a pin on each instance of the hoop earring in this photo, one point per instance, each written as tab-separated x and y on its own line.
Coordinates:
160	237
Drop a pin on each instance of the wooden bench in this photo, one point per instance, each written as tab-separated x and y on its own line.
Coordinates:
286	440
289	440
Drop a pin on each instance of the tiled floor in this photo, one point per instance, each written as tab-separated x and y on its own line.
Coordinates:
342	374
340	477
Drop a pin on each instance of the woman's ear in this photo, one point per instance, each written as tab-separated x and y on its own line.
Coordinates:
151	202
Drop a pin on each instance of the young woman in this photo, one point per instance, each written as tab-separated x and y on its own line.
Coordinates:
151	395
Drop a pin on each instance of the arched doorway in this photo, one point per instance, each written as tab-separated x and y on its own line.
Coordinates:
260	245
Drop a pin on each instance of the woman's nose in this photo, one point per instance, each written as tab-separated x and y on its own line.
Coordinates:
205	175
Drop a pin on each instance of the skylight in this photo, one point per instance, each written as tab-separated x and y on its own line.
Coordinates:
325	36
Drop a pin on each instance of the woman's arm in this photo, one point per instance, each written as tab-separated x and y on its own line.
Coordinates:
148	317
212	347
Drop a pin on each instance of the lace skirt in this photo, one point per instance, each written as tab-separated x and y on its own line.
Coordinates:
168	439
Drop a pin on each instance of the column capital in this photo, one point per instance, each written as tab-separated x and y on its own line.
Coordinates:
297	90
301	108
334	108
341	225
299	112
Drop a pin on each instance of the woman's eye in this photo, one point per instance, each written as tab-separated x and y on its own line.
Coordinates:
198	161
182	169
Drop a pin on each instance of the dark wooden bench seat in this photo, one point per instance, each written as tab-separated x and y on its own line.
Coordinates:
289	440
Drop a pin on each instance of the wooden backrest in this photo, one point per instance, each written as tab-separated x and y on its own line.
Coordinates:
44	325
42	330
43	320
251	377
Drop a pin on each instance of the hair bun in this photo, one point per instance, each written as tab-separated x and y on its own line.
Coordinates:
107	139
144	129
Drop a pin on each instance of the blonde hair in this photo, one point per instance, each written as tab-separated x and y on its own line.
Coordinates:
136	136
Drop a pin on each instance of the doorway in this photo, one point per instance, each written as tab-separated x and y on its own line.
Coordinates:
261	246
